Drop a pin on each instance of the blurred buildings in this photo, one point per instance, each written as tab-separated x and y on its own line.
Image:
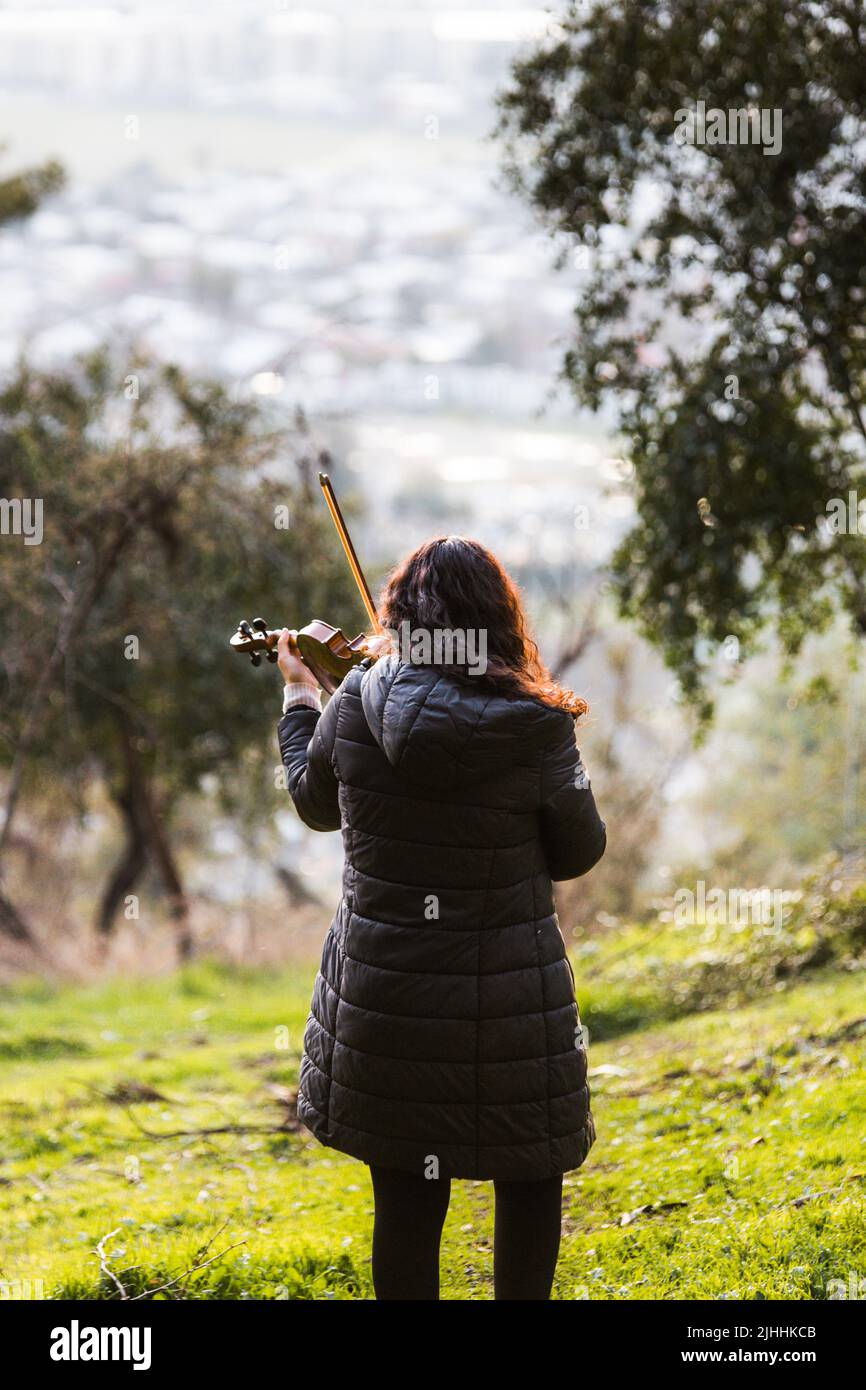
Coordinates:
305	202
339	58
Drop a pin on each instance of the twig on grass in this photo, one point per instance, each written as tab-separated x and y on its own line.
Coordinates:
208	1130
149	1293
108	1272
105	1268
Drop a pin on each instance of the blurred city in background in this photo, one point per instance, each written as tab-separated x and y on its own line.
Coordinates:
308	203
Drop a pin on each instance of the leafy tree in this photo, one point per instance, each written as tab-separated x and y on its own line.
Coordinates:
22	192
723	309
20	195
162	502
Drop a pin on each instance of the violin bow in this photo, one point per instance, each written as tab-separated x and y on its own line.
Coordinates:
348	547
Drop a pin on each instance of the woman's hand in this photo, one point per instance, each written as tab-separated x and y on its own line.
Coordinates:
293	669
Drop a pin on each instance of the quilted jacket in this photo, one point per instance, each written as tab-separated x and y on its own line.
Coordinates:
444	1036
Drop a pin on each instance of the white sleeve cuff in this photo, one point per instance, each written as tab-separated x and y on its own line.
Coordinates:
298	693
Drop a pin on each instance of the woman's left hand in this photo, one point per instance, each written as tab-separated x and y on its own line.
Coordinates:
293	669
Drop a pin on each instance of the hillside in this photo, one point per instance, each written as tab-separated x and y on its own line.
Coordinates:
731	1159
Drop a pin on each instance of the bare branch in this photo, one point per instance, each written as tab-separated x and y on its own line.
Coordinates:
149	1293
105	1267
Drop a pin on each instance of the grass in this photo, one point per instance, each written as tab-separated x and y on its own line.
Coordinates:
731	1159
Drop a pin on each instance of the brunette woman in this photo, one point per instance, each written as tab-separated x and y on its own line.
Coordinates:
444	1039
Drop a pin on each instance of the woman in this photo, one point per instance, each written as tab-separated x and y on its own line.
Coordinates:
444	1039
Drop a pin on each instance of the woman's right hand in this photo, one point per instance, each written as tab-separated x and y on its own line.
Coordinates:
378	645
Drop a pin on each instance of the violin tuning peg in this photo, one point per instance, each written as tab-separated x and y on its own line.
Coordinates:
244	627
260	625
273	656
255	659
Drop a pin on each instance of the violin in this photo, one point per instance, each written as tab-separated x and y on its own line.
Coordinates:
324	650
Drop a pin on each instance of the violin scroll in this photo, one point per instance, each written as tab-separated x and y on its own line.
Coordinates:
324	650
255	640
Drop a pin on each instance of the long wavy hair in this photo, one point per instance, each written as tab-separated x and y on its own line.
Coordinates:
454	583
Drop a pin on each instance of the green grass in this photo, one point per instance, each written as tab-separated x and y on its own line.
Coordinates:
658	972
731	1159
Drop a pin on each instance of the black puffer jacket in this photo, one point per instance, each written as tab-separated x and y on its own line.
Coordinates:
444	1025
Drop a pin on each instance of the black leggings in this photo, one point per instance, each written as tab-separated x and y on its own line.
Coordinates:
410	1214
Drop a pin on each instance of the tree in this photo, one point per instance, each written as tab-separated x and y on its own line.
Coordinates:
723	310
163	503
22	193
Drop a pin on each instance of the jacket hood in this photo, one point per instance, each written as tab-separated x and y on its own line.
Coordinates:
441	729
